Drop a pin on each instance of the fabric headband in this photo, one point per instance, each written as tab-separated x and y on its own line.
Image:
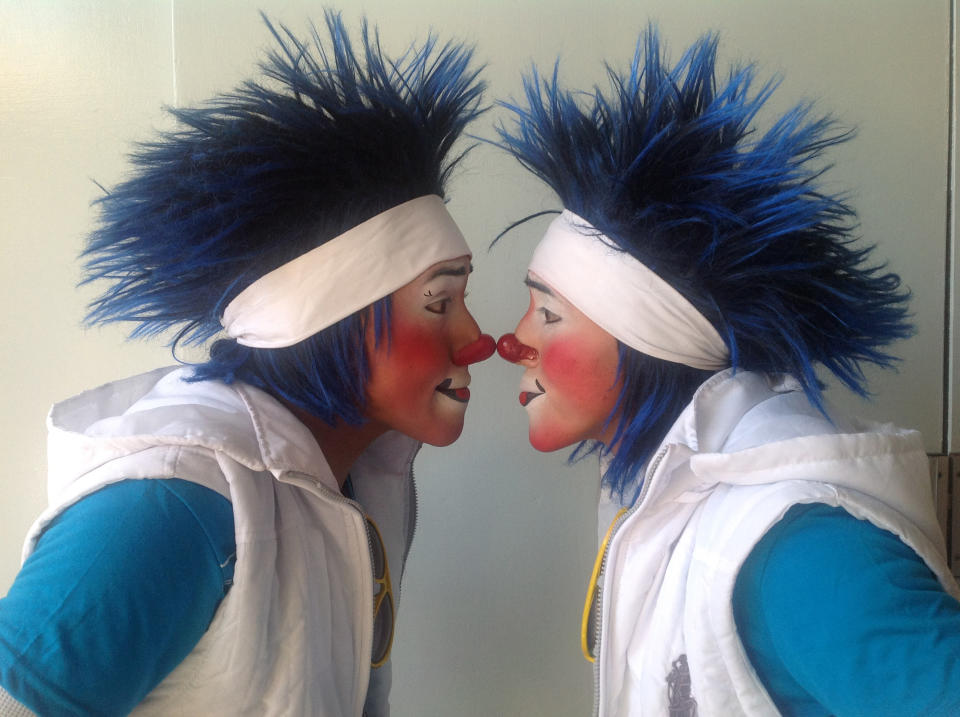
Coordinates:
624	297
345	274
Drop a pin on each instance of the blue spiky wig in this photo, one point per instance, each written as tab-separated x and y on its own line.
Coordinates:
668	165
254	178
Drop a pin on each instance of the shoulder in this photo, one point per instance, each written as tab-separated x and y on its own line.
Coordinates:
836	610
128	577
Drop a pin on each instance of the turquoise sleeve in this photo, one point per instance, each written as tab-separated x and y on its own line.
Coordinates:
840	617
121	587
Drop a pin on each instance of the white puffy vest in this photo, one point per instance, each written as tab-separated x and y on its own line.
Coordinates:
294	634
745	450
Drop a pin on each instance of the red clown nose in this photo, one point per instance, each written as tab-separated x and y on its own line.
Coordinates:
514	350
479	350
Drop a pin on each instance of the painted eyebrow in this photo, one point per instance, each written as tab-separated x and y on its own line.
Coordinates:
451	271
534	284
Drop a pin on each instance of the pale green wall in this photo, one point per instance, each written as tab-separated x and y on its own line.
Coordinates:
494	587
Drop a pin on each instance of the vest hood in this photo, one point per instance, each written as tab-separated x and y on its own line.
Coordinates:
160	408
748	428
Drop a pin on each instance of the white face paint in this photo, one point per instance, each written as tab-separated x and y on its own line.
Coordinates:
571	383
415	386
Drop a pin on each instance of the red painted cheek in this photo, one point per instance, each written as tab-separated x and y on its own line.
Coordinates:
572	371
417	346
411	364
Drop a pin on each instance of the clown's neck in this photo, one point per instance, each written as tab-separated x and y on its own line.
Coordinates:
342	443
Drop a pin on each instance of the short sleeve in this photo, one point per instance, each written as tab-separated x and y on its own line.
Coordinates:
121	587
841	617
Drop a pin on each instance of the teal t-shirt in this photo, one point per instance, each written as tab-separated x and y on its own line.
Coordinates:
840	617
121	587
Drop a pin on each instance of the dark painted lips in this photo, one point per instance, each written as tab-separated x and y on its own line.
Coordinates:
527	396
461	395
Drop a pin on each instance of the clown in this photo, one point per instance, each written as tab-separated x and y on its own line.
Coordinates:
229	537
764	552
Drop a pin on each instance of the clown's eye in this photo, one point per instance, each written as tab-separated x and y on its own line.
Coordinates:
549	317
438	307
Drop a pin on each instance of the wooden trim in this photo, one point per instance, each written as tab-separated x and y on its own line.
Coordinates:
944	475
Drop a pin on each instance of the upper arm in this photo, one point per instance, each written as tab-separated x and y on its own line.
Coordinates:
120	588
836	612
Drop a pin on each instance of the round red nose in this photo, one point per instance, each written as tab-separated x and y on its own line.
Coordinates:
479	350
514	350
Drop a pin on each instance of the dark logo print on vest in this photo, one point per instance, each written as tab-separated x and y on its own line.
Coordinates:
681	700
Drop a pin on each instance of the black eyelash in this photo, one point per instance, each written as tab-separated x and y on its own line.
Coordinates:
547	319
443	302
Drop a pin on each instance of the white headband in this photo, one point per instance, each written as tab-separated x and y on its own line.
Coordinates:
345	274
625	298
